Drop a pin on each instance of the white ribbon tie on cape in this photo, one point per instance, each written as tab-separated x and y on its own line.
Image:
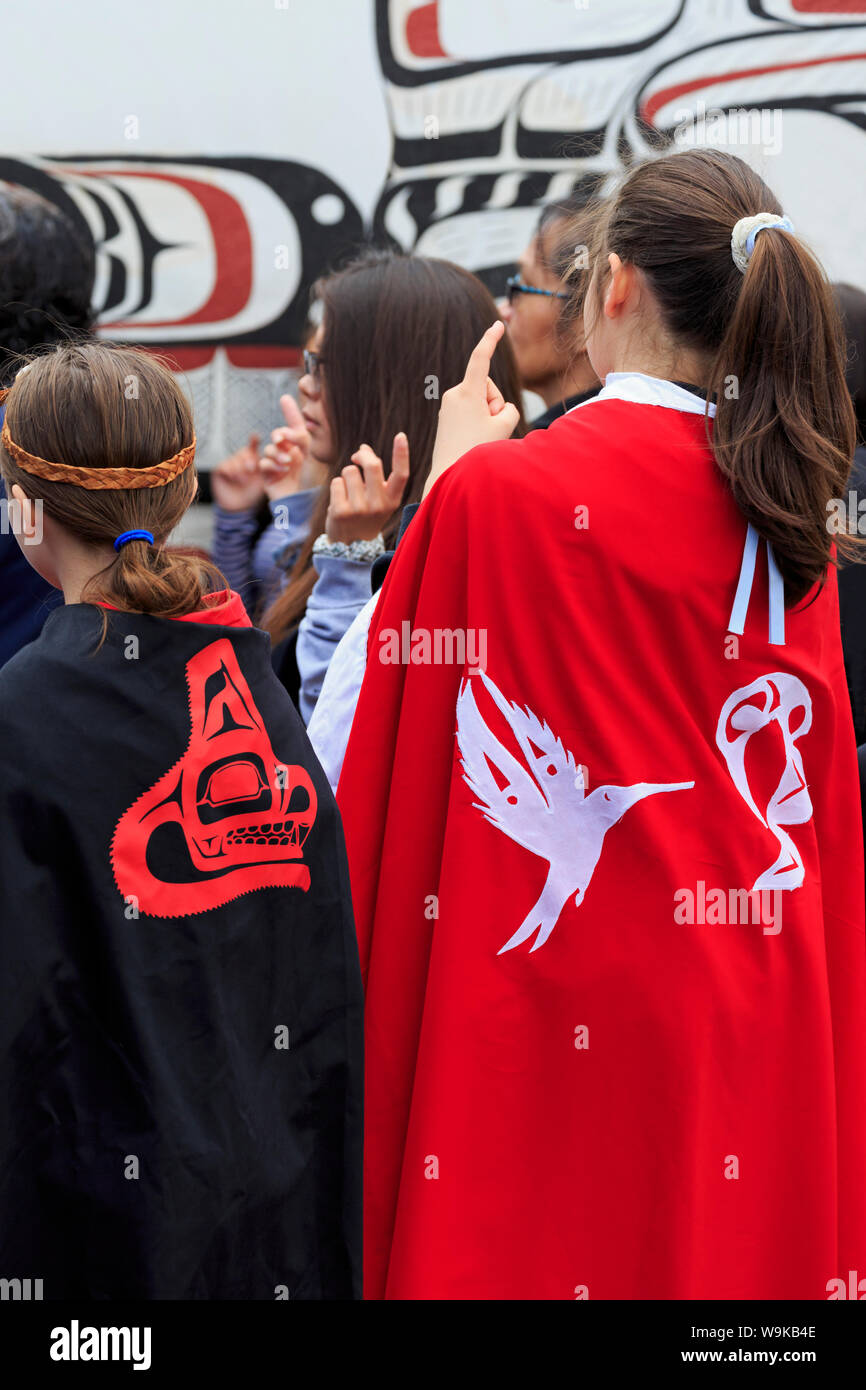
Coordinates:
737	621
649	390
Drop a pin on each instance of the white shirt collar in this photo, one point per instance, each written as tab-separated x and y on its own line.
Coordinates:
648	390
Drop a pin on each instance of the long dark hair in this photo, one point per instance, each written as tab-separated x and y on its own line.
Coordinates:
851	304
397	333
784	428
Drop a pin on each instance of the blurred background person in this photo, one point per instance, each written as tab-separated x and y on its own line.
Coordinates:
851	303
264	500
47	270
544	308
394	336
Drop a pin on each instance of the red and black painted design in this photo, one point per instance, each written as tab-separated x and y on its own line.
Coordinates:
209	259
186	247
227	818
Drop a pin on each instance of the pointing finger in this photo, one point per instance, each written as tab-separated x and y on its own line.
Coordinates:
399	475
478	367
291	412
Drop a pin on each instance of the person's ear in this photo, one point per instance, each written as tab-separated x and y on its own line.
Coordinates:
26	514
618	293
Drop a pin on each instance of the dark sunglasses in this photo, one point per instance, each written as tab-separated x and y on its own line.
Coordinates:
514	286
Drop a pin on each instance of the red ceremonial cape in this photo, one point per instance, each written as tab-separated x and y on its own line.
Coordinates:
609	889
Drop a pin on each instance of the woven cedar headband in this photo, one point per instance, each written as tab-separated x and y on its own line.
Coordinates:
97	479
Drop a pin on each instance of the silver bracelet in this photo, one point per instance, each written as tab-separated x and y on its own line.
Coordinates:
366	551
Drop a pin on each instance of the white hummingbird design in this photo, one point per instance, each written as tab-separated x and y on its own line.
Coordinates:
544	809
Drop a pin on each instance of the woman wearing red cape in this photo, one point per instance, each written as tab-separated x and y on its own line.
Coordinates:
601	802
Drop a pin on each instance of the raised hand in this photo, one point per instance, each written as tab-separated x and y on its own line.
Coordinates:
474	411
284	457
236	483
362	500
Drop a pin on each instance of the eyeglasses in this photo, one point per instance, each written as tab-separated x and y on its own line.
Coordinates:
312	363
514	286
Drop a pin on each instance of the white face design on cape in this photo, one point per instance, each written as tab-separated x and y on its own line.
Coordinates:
543	804
782	699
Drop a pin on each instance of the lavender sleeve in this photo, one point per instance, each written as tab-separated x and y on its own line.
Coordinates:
255	567
339	594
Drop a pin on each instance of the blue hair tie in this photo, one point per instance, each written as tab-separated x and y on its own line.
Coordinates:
784	224
745	231
126	536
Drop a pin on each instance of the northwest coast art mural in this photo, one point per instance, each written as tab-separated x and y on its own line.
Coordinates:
491	108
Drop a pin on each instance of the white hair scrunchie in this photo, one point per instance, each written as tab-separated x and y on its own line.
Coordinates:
745	231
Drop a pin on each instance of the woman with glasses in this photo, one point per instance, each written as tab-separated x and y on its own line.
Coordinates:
394	335
264	502
542	307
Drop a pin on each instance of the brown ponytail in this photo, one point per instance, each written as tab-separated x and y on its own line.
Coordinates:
784	431
94	405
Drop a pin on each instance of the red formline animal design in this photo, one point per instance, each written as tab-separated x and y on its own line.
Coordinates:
241	815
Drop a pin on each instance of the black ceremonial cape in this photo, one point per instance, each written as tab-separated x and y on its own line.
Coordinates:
180	997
